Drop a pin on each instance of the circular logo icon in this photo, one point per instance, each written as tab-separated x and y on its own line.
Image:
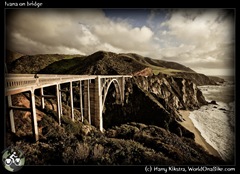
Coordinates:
13	159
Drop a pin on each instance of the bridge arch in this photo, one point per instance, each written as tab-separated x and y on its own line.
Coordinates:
119	92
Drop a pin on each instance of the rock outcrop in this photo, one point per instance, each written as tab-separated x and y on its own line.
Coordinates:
155	100
144	72
177	93
197	78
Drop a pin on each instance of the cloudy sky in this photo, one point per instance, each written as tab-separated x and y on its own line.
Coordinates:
202	39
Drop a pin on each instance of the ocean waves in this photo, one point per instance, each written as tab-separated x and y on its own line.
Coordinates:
217	122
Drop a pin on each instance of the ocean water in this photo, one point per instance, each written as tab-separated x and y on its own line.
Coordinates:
217	122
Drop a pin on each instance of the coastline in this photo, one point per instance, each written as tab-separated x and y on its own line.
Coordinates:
188	124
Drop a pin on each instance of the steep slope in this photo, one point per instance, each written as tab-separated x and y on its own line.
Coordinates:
156	64
100	62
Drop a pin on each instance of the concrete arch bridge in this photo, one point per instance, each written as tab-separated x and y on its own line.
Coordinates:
93	90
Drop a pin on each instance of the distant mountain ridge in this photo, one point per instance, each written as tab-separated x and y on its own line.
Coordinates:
105	63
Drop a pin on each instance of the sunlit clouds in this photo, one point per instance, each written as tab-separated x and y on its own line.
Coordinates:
202	39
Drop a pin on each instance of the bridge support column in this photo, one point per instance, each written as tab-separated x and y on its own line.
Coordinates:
60	99
87	101
34	115
58	103
81	101
71	100
98	121
42	98
9	98
122	84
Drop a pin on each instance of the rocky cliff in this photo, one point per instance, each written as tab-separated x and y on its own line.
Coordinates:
197	78
155	100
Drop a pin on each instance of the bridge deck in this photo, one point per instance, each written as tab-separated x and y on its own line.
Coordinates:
17	83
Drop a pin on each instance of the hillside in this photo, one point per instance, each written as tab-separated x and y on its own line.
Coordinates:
31	64
102	63
159	65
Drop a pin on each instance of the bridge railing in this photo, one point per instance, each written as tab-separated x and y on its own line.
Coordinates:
13	83
28	80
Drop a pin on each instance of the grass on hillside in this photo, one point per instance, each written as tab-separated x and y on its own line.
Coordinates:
63	65
154	65
167	71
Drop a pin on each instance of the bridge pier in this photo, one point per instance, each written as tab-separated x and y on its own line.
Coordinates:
34	115
86	93
60	99
42	98
81	99
98	104
12	123
71	101
122	85
59	104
